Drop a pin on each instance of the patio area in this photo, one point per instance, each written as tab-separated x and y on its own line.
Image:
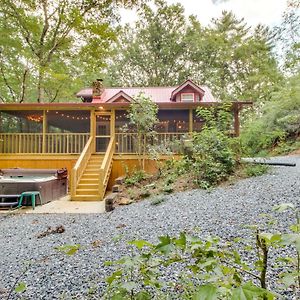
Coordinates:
62	206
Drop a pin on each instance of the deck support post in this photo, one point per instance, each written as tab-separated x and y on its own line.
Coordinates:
112	122
44	131
236	120
190	120
93	128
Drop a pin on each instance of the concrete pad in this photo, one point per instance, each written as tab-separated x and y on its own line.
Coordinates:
65	206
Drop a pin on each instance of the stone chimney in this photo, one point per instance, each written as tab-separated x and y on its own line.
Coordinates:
98	88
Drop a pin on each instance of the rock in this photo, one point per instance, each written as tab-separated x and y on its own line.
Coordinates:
125	201
120	180
116	188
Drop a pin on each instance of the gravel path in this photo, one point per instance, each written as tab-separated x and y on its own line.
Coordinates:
53	275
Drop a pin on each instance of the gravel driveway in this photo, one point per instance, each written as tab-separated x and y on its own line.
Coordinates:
53	275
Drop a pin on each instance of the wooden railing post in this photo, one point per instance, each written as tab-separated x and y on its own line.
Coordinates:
44	148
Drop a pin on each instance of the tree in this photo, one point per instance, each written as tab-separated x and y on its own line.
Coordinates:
153	51
287	37
232	59
47	46
280	120
143	117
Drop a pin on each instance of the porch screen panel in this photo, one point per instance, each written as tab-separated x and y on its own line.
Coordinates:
21	132
102	132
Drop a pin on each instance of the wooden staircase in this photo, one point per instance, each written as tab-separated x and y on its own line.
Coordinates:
91	173
88	186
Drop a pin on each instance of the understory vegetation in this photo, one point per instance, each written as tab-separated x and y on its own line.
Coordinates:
207	158
210	268
278	127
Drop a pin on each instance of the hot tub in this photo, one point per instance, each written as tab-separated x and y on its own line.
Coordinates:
50	183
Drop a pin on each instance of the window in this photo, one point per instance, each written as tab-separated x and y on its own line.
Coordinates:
187	97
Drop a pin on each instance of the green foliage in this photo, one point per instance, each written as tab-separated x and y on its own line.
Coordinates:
212	159
255	170
144	193
167	189
211	155
142	115
136	177
279	122
207	271
21	287
164	48
233	58
209	268
153	51
40	56
68	249
158	200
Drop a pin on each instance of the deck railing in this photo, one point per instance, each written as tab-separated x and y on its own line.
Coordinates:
73	143
106	166
126	143
54	143
81	163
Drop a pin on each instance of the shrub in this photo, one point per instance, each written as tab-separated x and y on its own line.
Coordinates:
212	157
209	268
136	177
255	170
278	122
158	200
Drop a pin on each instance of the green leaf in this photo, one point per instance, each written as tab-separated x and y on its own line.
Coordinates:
165	246
249	291
181	241
206	292
115	275
291	239
143	295
140	244
68	249
283	207
21	287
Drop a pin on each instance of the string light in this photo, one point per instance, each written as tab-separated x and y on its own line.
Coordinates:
73	117
35	118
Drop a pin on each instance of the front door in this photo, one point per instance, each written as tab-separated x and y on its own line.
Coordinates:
102	132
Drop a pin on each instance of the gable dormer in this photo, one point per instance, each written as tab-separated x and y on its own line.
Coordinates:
120	97
188	92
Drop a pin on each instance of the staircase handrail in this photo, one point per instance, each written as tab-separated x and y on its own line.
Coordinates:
105	166
81	164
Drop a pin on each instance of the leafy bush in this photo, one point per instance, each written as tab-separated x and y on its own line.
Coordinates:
158	200
212	157
279	122
207	268
255	170
136	177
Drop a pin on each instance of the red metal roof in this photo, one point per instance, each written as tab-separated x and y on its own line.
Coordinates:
157	94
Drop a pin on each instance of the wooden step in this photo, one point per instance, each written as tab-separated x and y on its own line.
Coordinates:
94	166
89	180
89	174
86	198
87	191
87	186
95	159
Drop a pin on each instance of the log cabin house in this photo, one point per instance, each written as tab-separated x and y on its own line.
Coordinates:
87	138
